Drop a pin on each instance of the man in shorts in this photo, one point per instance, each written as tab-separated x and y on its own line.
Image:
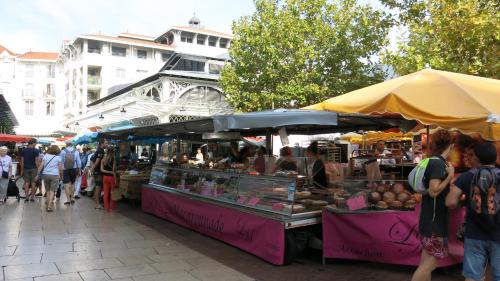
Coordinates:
72	165
481	241
95	170
30	161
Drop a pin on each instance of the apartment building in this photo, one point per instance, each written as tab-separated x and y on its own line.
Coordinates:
96	65
32	84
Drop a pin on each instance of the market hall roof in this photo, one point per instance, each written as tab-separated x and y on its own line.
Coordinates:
6	114
2	49
127	40
258	123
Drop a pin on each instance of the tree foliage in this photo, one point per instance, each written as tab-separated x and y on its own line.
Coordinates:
454	35
294	53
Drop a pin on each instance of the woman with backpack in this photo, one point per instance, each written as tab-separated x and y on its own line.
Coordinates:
108	170
433	223
51	171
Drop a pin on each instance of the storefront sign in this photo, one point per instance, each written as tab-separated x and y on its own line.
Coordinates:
262	237
386	237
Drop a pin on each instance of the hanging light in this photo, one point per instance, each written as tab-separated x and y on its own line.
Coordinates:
123	111
77	124
101	116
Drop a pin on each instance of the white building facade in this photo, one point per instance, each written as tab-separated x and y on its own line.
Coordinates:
96	66
32	83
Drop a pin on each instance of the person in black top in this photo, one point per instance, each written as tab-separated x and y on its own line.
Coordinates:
110	180
433	223
481	243
96	171
318	170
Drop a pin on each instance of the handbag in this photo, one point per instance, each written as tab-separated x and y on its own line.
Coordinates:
5	174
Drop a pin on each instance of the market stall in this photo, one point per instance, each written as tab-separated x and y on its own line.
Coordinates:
270	214
436	99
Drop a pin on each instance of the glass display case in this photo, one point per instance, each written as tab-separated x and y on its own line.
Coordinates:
273	194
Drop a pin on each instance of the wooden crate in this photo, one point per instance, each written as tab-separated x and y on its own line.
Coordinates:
130	186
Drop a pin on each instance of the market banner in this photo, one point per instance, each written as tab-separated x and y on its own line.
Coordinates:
262	237
386	237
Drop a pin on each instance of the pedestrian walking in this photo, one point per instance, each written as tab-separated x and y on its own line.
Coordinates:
5	173
433	223
481	186
95	171
30	161
51	171
70	158
78	183
108	170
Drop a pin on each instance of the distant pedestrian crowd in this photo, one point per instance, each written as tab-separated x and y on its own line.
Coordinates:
57	170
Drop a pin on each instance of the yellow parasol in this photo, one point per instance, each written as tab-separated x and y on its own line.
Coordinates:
445	99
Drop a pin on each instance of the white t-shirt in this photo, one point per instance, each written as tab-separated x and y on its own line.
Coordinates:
51	167
6	163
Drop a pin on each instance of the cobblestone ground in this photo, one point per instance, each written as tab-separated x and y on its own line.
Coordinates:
80	243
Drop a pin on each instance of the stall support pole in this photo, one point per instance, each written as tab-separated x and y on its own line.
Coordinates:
178	148
269	142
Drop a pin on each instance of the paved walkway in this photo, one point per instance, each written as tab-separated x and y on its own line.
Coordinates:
80	243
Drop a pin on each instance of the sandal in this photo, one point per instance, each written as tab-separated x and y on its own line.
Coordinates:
99	208
49	210
67	203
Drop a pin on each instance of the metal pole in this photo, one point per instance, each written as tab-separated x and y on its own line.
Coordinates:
269	142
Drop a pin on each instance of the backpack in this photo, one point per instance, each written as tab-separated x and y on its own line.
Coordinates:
69	160
484	198
416	176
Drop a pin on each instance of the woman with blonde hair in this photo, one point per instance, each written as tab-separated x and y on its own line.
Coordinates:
108	170
5	173
51	171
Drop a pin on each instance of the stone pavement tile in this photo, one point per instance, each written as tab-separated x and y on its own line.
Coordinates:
149	243
174	265
30	270
219	275
94	275
46	248
20	259
87	265
7	251
169	276
110	236
130	271
135	260
29	241
60	277
70	256
85	246
204	262
177	251
116	253
151	234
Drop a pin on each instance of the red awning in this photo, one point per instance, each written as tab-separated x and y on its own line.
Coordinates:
14	138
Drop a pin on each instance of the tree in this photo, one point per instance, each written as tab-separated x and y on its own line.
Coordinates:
294	53
454	35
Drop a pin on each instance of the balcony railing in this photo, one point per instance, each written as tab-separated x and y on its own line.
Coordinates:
93	80
49	95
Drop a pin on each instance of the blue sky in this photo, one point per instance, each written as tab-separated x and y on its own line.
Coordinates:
41	25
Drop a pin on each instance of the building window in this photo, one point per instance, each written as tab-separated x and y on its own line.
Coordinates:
50	109
214	68
190	65
94	47
223	43
200	39
120	73
187	37
118	51
165	56
51	71
28	107
28	90
49	91
212	41
142	54
30	70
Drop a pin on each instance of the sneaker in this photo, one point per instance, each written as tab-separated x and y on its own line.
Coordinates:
72	201
39	194
77	197
49	210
